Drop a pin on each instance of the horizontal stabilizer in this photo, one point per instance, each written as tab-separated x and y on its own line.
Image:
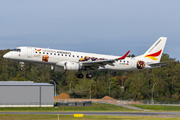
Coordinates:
160	64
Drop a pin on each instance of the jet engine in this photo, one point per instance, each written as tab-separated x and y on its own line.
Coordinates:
57	68
71	66
140	64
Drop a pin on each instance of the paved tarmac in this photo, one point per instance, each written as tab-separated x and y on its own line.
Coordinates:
155	114
133	108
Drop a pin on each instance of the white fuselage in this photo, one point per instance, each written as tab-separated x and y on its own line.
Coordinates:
35	55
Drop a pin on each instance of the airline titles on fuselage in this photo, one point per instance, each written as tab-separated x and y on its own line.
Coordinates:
53	51
45	51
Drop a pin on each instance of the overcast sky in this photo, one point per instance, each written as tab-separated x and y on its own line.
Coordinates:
97	26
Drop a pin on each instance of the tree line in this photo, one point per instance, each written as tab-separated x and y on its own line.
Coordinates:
136	85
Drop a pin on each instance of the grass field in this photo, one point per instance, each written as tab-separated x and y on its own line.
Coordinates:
159	107
71	117
94	107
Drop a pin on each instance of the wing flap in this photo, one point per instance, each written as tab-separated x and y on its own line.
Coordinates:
96	63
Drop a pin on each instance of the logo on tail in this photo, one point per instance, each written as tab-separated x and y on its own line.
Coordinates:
154	55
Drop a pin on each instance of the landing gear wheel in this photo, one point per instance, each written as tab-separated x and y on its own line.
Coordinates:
22	65
80	75
89	75
21	69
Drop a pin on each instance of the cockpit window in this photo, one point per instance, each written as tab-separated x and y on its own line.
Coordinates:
18	50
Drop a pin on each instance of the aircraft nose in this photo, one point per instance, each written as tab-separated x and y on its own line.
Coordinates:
7	55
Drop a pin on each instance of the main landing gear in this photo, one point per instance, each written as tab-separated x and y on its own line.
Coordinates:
80	75
88	75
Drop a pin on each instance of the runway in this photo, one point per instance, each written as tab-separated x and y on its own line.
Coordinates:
155	114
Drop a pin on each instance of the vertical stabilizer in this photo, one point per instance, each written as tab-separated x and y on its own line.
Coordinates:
155	51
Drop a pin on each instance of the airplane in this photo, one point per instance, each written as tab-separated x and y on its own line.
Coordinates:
62	60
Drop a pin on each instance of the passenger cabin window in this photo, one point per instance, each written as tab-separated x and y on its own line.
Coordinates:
73	55
50	53
58	54
77	56
65	55
39	52
43	52
61	54
47	53
54	53
69	55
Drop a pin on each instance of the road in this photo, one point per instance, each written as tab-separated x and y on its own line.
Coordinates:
155	114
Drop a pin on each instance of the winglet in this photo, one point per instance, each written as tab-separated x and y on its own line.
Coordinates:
123	57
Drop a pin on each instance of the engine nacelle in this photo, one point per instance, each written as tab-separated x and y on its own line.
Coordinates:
57	68
71	66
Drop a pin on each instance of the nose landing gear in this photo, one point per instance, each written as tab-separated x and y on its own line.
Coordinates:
21	69
22	65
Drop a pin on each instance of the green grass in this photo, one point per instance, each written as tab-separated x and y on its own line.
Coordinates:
70	117
159	107
94	107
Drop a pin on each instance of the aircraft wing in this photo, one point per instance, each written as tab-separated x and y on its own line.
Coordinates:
102	62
